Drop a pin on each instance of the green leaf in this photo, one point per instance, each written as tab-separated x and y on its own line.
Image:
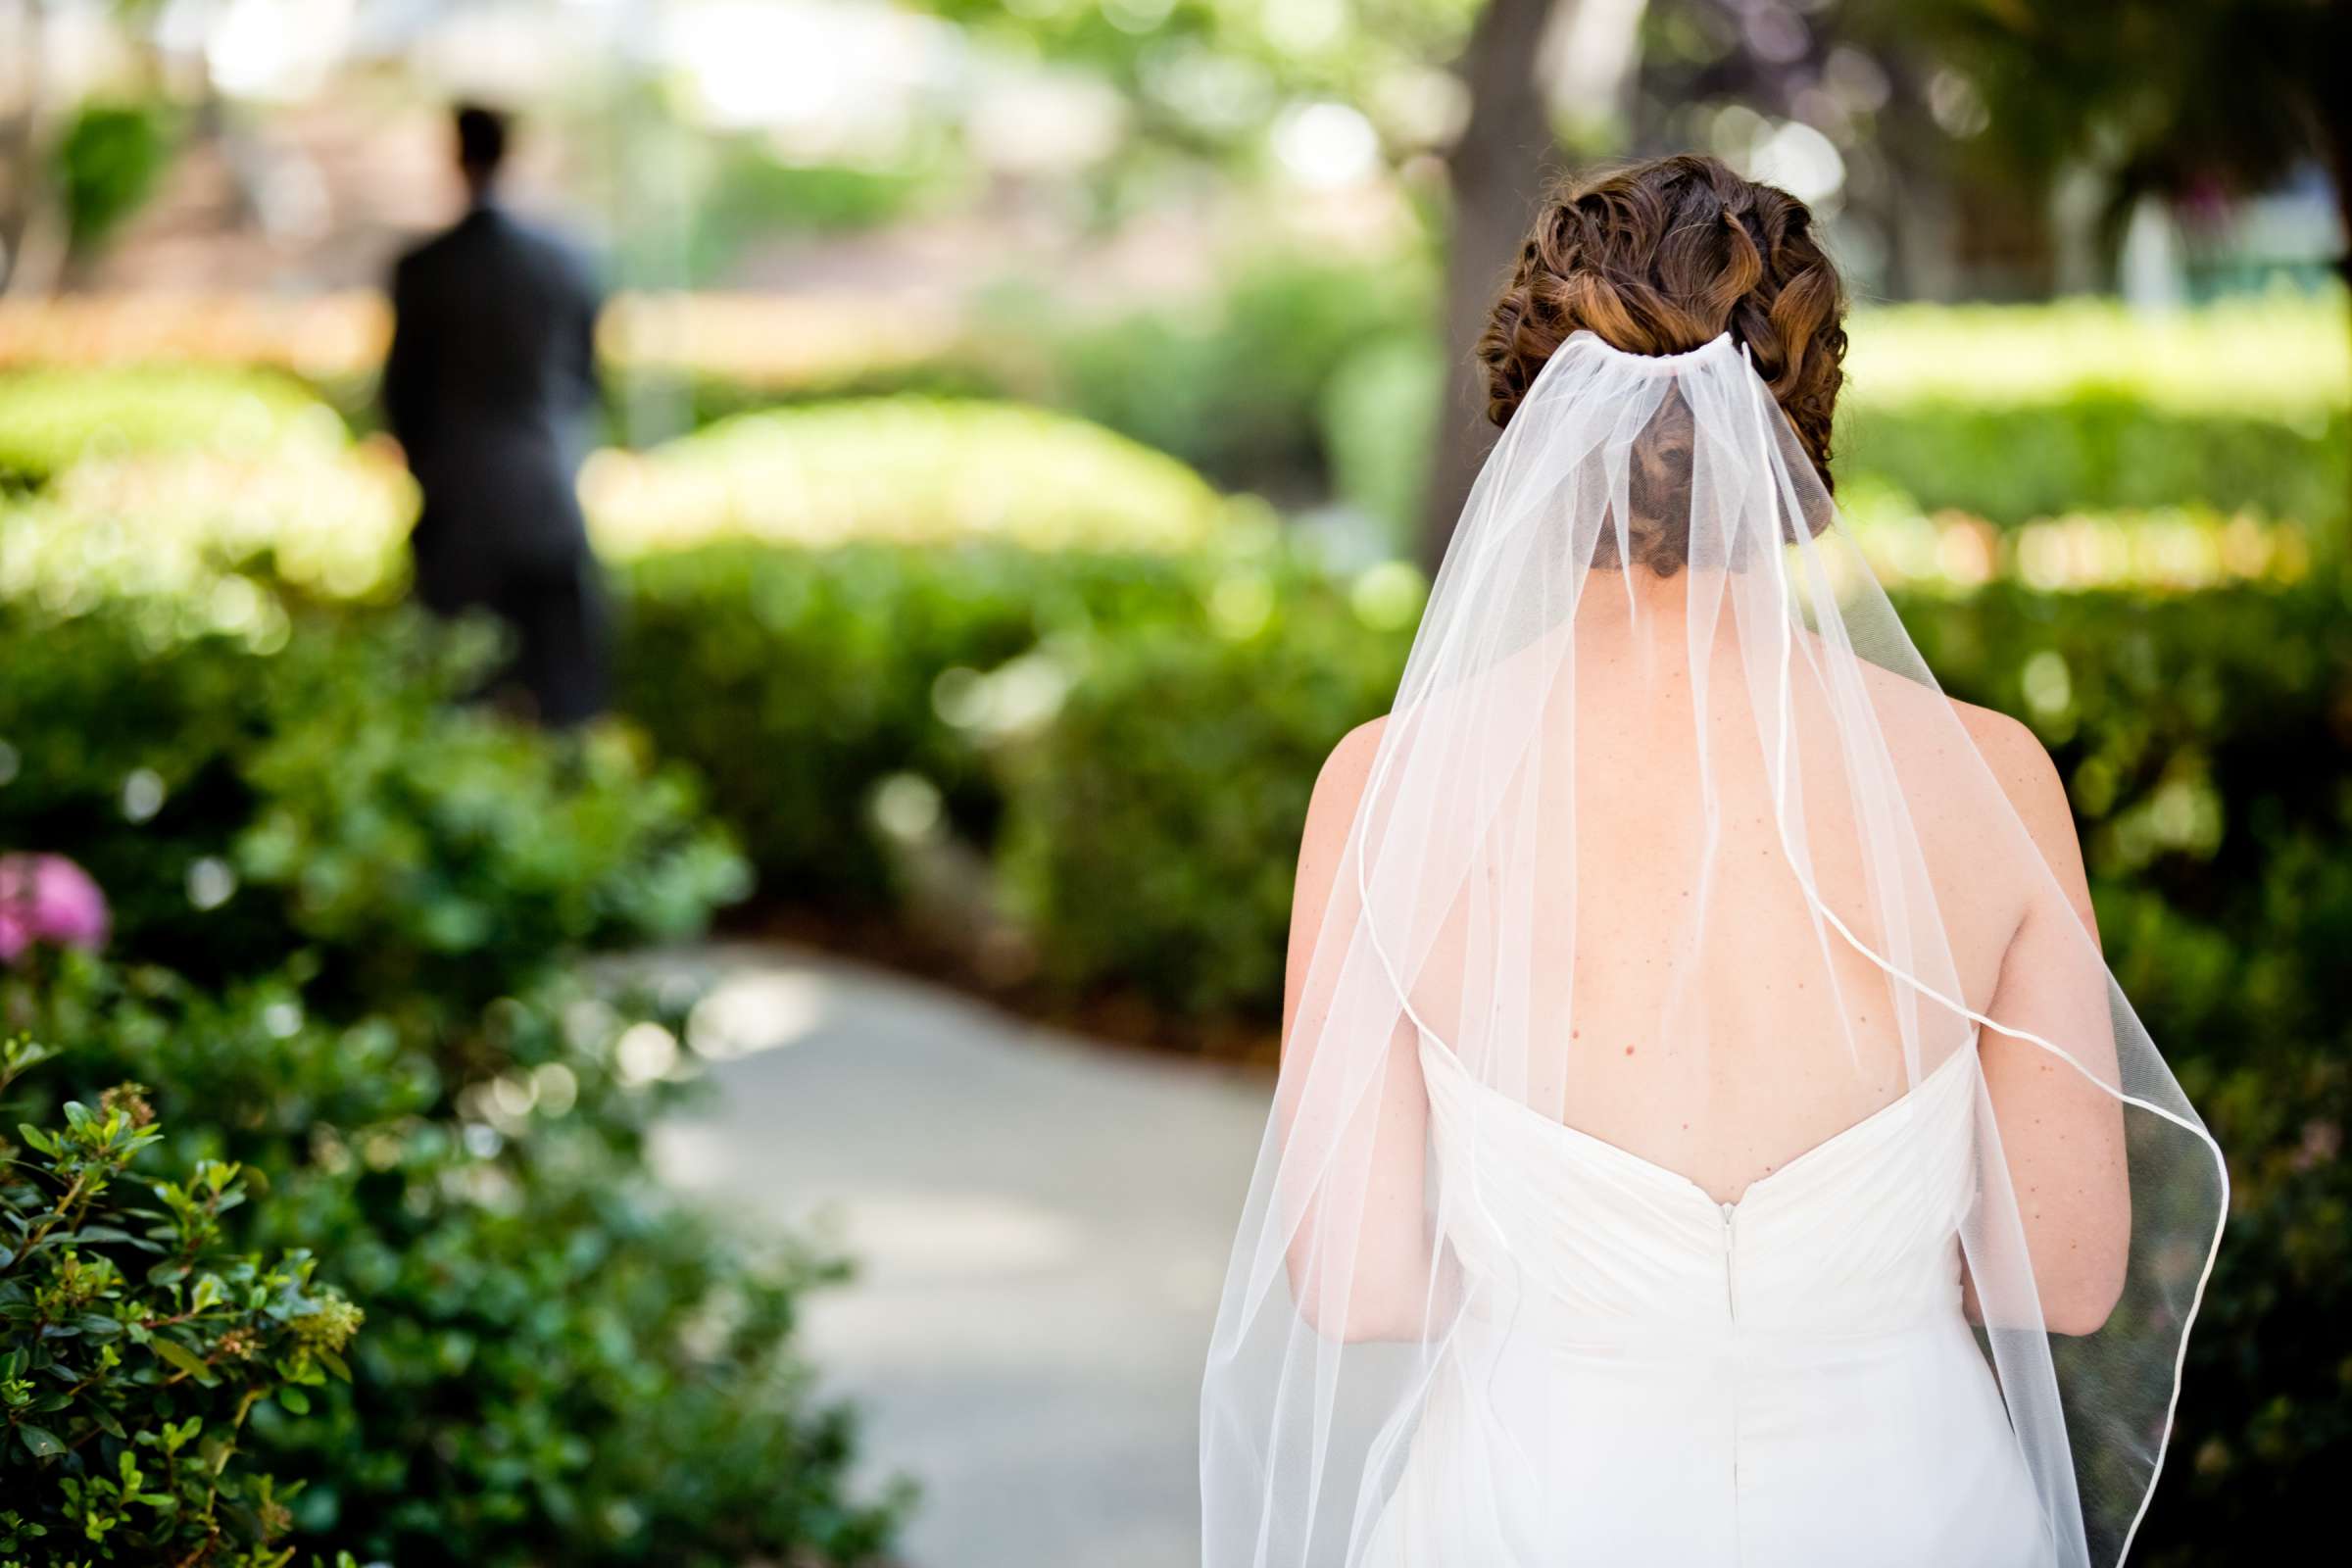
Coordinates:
40	1442
180	1357
294	1400
334	1363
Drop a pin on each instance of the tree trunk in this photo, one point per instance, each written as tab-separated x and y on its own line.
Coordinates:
20	141
1496	170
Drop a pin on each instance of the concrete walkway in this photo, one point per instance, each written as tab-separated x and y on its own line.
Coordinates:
1040	1227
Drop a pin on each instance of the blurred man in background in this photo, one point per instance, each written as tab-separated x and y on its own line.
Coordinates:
489	386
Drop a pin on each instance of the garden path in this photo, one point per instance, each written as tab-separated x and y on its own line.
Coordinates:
1041	1226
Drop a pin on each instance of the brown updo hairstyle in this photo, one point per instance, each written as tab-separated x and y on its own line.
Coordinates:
1662	258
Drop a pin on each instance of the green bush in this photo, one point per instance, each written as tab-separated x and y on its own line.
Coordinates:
797	681
308	784
135	1343
51	419
1153	828
323	519
2100	451
1380	418
561	1365
2285	355
910	469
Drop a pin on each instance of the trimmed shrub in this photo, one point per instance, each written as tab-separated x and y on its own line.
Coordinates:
798	681
2100	451
306	783
909	470
52	418
2283	354
565	1365
1152	826
327	521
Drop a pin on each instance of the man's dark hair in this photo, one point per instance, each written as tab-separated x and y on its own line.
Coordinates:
481	139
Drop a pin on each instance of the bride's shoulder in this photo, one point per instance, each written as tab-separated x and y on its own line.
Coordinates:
2023	767
1340	789
1339	784
1918	716
1322	845
2010	751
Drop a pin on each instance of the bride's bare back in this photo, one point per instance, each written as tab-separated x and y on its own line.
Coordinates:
1703	1019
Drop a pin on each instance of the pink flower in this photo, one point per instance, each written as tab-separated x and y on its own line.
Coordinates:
47	897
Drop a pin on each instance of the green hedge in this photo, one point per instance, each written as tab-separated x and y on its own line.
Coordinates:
914	469
2100	451
52	418
313	788
798	681
1153	828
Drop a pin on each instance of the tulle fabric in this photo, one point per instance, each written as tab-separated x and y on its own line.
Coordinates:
1697	867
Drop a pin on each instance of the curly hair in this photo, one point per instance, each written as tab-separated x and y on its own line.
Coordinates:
1661	258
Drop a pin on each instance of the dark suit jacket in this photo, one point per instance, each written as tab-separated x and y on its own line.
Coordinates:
490	385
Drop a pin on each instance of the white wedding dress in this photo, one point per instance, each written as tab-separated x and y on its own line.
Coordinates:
1785	1382
1669	843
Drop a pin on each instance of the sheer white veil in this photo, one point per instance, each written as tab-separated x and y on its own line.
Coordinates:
1671	836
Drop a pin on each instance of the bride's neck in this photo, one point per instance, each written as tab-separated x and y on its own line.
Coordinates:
1637	610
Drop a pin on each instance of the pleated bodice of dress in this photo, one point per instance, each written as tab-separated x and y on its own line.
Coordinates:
1645	1376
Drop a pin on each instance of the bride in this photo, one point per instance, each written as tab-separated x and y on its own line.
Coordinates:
1708	1132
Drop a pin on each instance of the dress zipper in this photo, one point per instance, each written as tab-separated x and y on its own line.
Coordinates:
1731	1286
1731	1301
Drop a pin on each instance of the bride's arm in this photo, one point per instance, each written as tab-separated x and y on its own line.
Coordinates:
2061	1134
1354	1123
